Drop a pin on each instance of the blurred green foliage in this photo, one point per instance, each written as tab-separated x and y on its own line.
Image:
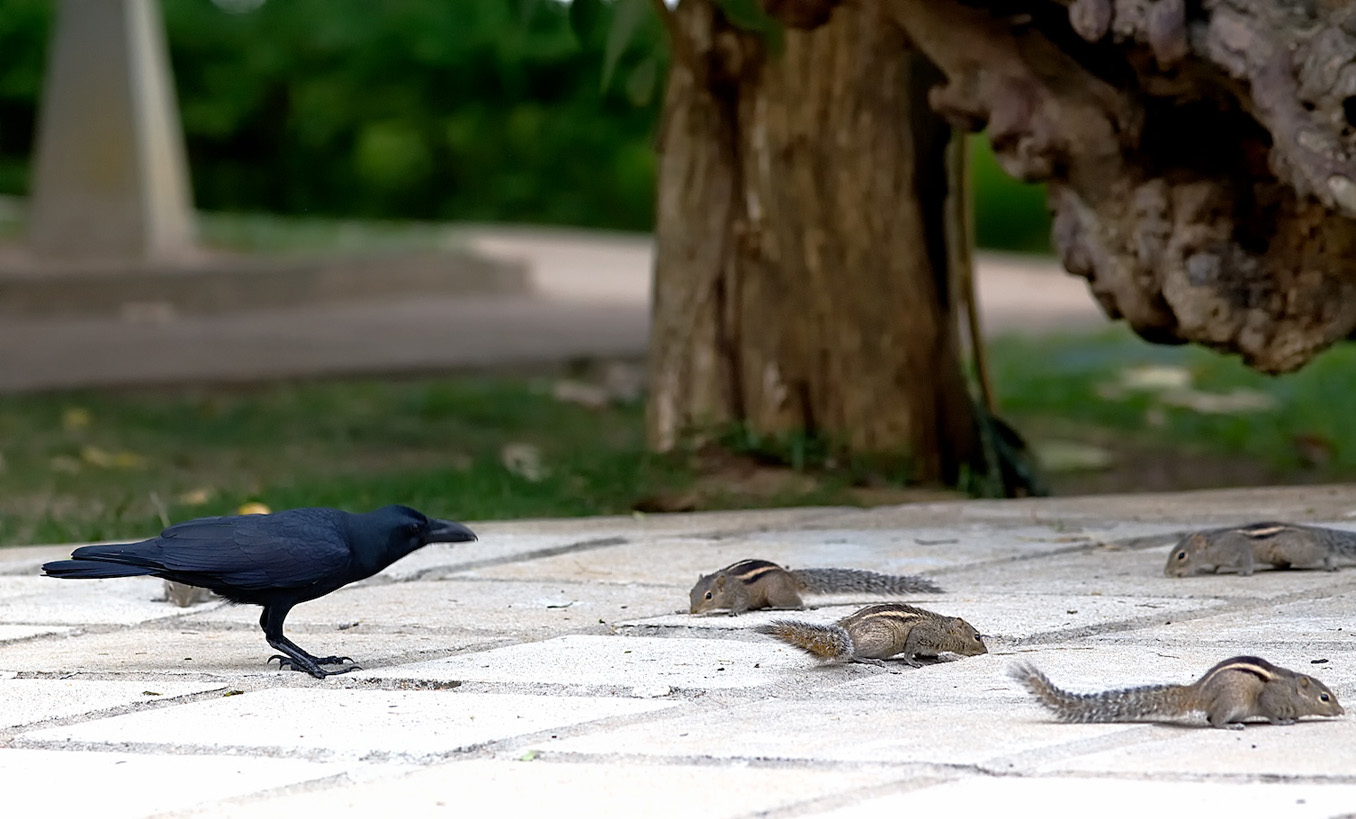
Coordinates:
1008	214
99	465
1083	382
490	110
408	108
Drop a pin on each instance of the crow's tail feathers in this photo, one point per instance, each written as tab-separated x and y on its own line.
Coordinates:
91	569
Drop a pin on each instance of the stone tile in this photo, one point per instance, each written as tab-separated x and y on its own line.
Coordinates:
979	683
1265	583
1265	639
28	560
546	787
1089	572
230	652
825	609
1314	747
1326	620
915	549
116	785
48	601
642	664
1051	797
678	561
9	634
834	729
525	610
346	723
1216	507
1021	616
36	700
146	651
1196	637
773	732
1002	618
497	542
668	560
1131	572
1056	515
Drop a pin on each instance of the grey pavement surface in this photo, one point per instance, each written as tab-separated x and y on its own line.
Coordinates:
550	669
589	298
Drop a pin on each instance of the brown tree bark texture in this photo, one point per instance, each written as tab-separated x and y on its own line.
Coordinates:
1198	155
801	278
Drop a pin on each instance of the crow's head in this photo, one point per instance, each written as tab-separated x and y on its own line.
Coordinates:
382	537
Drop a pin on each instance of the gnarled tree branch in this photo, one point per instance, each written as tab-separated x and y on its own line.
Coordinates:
1199	159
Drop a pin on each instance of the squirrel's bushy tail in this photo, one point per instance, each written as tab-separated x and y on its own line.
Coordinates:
1123	705
831	581
1339	540
826	643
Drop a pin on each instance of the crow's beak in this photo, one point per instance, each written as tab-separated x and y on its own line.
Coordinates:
447	531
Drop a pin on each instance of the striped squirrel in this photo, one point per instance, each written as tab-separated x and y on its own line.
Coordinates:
184	595
876	632
1235	690
1280	544
759	584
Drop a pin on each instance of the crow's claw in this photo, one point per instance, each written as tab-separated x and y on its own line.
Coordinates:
331	660
313	668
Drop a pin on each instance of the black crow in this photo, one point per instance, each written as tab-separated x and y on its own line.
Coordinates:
275	561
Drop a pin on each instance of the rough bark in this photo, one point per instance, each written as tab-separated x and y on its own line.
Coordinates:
802	278
1198	156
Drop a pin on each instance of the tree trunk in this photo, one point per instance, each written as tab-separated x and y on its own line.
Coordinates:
803	281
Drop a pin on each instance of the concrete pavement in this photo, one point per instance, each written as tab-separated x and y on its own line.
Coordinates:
549	669
589	297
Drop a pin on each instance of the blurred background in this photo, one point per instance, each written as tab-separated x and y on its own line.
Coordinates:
418	111
343	128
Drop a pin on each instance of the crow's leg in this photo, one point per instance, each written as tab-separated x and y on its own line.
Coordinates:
294	656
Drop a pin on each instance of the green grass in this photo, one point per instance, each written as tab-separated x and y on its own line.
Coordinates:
99	465
91	465
1074	385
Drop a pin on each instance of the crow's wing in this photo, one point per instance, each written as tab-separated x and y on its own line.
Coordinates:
289	549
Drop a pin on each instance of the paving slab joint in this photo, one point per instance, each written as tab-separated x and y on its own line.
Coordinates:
440	572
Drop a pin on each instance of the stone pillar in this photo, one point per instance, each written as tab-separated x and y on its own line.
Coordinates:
110	178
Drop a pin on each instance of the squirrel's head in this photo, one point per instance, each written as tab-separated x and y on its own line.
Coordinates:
706	595
1180	563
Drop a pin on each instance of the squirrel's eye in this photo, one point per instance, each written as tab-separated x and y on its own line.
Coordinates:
708	595
1181	555
1324	697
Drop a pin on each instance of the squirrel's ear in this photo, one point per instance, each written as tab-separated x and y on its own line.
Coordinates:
720	583
1302	681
